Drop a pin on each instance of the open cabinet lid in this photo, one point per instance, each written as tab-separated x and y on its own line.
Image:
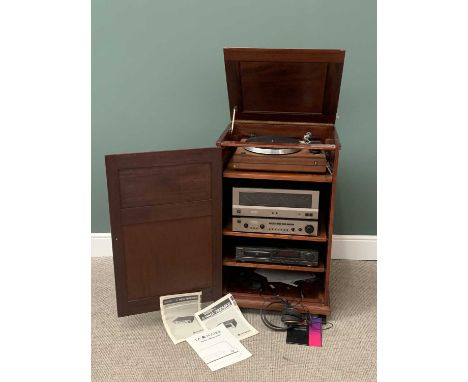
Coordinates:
297	85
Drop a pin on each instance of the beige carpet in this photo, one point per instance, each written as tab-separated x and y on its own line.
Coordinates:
137	348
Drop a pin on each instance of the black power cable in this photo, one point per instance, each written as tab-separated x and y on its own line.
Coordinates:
290	316
295	316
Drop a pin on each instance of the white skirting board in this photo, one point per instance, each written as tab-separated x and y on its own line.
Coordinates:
349	247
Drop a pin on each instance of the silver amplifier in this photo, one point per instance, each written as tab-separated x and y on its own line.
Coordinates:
279	226
275	203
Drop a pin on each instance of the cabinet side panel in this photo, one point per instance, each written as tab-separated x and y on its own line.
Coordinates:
330	226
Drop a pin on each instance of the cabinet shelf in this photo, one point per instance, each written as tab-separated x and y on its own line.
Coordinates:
314	302
272	175
257	301
321	237
231	262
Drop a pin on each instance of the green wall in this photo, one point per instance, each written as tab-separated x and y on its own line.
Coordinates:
158	81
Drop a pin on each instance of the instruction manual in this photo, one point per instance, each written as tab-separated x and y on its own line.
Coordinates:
218	348
225	311
178	315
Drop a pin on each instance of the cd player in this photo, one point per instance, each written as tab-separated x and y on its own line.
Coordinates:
290	256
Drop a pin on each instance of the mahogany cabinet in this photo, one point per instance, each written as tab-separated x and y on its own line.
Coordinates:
170	211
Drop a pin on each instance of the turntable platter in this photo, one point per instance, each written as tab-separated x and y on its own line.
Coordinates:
272	139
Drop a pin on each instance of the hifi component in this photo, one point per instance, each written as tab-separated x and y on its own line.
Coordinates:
275	203
272	151
289	256
279	226
278	159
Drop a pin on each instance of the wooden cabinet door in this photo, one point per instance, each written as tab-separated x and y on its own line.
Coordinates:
165	212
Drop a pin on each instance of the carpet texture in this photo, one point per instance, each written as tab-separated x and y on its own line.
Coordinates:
137	348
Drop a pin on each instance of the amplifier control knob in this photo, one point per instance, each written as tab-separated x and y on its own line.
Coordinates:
246	225
309	228
262	226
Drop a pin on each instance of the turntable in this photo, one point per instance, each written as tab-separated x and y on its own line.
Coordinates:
278	159
271	139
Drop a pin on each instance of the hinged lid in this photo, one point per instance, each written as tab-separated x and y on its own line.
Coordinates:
300	85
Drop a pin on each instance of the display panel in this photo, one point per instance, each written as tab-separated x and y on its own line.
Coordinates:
269	199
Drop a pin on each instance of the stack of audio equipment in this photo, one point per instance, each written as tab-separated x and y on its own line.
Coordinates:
277	211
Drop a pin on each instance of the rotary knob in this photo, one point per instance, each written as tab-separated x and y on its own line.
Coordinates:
309	229
246	225
262	226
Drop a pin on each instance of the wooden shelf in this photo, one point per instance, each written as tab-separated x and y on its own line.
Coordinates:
321	237
257	301
271	175
231	262
313	302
